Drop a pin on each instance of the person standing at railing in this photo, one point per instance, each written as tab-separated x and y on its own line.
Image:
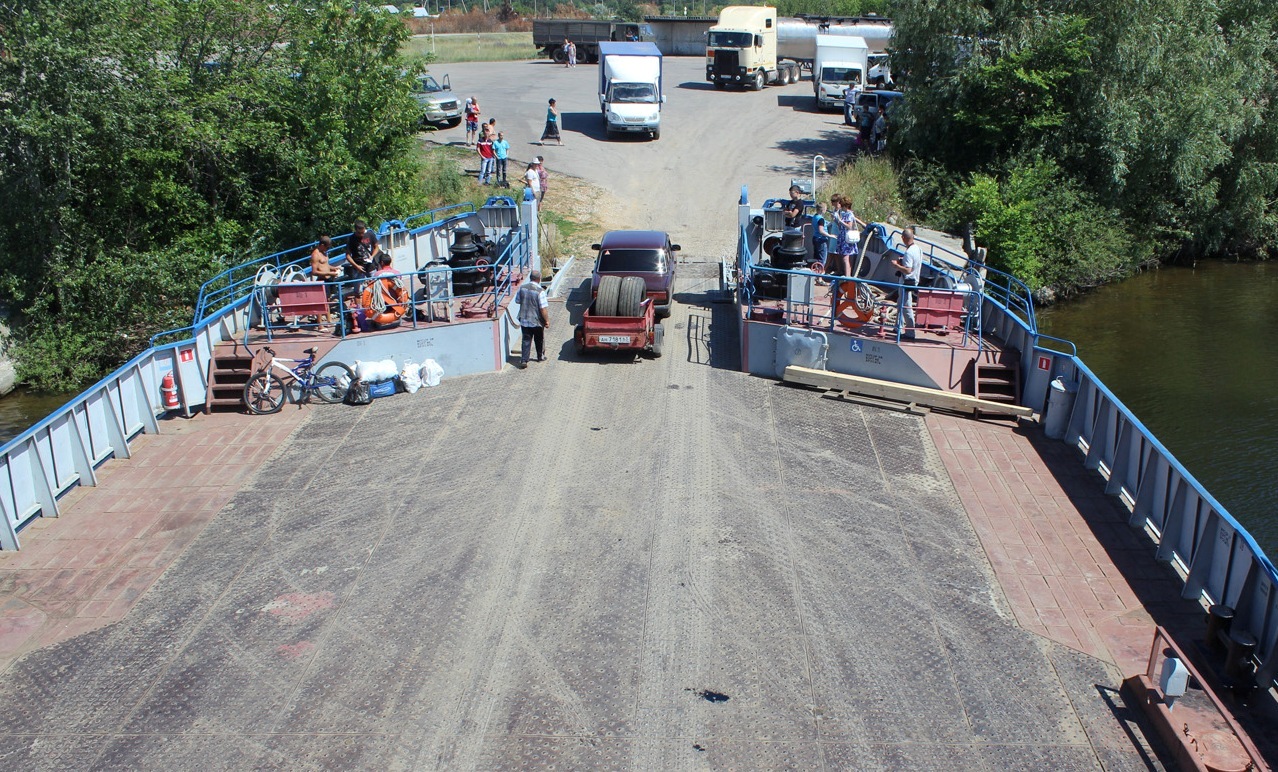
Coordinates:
793	209
849	235
820	241
362	249
909	267
323	270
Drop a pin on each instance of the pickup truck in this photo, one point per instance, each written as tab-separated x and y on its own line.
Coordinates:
646	254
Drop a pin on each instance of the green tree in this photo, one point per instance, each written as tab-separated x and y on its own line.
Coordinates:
1156	114
141	158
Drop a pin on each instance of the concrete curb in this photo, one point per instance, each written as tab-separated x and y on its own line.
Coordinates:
560	277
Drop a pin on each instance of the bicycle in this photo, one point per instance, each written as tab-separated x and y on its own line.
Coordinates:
266	392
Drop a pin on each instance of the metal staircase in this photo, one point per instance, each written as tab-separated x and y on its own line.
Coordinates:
999	381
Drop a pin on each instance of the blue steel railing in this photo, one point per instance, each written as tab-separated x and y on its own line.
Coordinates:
503	270
236	284
807	313
1006	289
1219	561
64	450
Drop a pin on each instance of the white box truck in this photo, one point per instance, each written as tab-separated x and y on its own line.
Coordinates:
630	88
841	63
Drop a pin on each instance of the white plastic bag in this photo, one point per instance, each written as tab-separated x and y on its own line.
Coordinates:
410	377
375	372
431	372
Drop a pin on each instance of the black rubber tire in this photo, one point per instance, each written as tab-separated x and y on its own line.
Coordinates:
606	300
332	381
757	83
559	55
630	296
658	340
453	123
656	133
264	394
579	340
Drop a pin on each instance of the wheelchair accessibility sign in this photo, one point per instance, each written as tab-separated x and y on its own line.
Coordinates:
856	346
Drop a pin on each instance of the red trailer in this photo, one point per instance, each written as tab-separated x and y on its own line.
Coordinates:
616	321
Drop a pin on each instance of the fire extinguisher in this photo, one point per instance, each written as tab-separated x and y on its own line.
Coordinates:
168	388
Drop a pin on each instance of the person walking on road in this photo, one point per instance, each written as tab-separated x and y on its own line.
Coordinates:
534	318
552	124
571	49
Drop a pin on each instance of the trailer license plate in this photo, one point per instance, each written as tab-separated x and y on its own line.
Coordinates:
614	338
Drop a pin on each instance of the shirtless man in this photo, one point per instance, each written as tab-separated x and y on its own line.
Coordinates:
322	270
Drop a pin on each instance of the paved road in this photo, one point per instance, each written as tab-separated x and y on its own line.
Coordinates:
712	142
590	564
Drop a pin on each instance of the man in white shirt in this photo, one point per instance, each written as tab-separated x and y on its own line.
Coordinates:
534	318
910	267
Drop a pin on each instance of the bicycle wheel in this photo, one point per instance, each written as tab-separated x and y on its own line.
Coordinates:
332	381
264	393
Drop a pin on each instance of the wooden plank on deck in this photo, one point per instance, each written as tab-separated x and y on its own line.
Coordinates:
872	387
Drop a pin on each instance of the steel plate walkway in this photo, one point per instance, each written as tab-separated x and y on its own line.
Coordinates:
592	564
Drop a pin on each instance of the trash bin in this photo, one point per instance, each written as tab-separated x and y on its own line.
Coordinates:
1060	402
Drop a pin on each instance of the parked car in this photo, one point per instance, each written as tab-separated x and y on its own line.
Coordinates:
646	254
862	112
439	105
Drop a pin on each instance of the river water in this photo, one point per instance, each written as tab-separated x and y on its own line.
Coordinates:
1193	352
22	408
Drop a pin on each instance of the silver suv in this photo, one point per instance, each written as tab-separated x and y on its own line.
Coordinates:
439	105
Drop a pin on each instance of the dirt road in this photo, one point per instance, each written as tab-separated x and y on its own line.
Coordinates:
712	142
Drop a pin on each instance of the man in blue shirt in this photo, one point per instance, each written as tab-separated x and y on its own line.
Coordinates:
502	150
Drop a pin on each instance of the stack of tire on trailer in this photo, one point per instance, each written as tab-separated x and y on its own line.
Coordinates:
471	263
624	296
620	296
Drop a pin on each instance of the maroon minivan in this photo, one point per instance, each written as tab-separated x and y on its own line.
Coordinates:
646	254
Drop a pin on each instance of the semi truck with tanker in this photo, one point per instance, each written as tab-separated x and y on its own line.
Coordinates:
630	95
750	46
741	49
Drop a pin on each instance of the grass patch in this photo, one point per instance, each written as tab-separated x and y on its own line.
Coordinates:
473	47
872	184
560	236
